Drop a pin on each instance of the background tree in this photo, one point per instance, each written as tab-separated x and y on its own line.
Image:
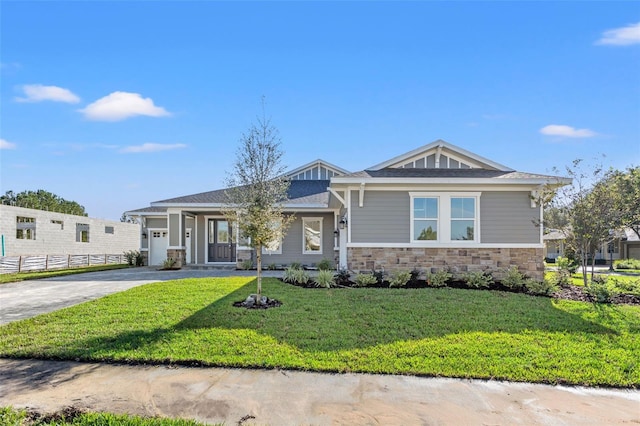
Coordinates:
627	186
585	212
258	190
42	200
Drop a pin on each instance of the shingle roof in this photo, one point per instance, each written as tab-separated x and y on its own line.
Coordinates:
149	210
300	192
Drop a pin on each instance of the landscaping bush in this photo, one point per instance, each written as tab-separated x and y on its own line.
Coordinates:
601	290
439	278
325	265
627	264
513	279
295	265
399	278
324	279
169	263
567	264
134	258
365	280
625	286
246	265
294	275
477	279
540	288
342	277
379	276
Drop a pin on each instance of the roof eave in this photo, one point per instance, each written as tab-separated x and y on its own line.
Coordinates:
452	181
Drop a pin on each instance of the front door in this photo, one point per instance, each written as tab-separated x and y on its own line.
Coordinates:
221	247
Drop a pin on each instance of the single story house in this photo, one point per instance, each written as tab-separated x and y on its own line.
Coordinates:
434	207
626	245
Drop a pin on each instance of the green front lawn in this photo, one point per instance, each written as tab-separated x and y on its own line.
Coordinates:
434	332
23	276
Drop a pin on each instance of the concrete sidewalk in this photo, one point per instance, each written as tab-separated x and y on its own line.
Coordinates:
274	397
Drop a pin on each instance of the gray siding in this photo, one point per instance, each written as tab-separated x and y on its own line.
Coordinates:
199	237
384	217
157	222
292	243
174	230
507	217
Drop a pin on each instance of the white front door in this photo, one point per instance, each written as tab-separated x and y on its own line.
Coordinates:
187	242
158	247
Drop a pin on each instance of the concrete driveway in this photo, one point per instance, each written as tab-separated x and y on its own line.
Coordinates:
27	299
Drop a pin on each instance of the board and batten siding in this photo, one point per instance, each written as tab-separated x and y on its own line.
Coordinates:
507	217
384	217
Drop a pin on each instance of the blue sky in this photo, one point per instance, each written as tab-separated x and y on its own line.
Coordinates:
118	104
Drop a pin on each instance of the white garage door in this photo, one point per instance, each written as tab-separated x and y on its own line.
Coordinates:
158	247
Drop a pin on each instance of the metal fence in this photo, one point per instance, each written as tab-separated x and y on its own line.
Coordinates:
13	264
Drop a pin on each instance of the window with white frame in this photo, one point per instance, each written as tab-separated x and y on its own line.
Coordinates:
274	246
311	235
444	217
425	218
463	218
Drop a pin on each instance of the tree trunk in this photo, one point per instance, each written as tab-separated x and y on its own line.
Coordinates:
259	269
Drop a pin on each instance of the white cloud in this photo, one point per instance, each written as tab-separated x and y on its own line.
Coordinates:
623	36
121	105
5	144
152	147
566	131
39	93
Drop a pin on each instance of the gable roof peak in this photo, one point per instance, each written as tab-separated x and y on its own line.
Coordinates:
437	147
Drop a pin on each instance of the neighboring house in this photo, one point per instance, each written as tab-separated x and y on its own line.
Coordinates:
626	245
29	232
435	207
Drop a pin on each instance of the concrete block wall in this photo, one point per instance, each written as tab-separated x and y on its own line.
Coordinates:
528	260
51	239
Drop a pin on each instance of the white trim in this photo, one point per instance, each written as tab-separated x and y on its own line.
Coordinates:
309	219
455	244
450	181
361	196
317	163
444	217
339	198
196	207
439	144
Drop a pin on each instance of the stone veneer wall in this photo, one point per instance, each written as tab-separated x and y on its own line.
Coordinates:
179	255
460	260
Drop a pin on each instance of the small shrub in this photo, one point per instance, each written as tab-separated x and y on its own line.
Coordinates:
439	278
399	278
295	265
364	280
477	279
379	275
627	264
342	277
272	267
134	258
566	265
600	290
415	275
295	276
246	264
169	263
325	265
540	288
324	279
513	279
626	286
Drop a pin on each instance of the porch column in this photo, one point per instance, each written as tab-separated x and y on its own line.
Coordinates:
176	229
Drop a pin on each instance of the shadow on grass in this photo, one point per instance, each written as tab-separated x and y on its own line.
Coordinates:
344	319
319	320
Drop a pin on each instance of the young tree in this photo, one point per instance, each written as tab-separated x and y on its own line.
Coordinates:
258	190
42	200
627	186
588	209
